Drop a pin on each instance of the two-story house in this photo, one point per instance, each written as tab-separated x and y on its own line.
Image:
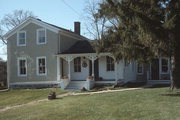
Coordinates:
45	55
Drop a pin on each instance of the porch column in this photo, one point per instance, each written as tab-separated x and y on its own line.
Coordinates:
92	58
69	59
58	68
116	72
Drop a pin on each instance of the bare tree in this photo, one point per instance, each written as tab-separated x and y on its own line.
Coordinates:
95	25
11	20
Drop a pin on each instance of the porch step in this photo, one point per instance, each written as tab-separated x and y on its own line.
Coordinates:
105	82
159	81
75	85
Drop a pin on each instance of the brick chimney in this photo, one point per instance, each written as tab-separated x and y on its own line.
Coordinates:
77	28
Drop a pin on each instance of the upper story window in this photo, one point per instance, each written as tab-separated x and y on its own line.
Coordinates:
41	36
21	38
109	63
77	64
164	66
22	67
41	65
140	68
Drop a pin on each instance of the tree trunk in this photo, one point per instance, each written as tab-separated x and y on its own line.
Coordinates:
176	70
171	74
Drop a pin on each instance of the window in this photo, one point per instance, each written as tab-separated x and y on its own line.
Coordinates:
41	36
21	38
22	67
164	66
139	68
77	64
110	63
41	65
127	63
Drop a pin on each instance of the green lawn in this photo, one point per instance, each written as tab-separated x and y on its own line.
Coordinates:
15	97
147	104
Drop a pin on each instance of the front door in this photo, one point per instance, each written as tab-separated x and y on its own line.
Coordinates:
155	69
96	68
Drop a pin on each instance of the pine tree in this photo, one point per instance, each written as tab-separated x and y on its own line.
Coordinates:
142	30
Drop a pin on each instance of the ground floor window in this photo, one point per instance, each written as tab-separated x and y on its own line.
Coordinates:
41	65
109	63
140	68
164	66
22	67
77	64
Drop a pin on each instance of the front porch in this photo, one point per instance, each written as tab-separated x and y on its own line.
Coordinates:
85	69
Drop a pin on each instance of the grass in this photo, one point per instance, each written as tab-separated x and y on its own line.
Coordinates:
101	88
147	104
15	97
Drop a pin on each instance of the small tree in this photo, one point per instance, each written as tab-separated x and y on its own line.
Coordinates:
94	24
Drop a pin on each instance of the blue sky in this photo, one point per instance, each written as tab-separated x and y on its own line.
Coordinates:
62	13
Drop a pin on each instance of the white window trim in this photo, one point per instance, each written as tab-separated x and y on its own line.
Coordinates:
37	34
37	66
18	38
161	66
137	69
18	67
106	66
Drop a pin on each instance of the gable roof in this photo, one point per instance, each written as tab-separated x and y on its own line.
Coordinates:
84	46
41	23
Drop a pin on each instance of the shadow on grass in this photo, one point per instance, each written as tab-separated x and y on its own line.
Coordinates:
160	85
172	94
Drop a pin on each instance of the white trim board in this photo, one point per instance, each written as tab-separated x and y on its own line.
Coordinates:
27	22
83	54
43	25
37	82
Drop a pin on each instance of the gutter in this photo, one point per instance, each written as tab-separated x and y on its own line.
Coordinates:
59	42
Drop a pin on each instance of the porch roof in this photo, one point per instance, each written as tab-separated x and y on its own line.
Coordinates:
85	46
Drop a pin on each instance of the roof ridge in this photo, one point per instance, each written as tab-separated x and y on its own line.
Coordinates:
60	28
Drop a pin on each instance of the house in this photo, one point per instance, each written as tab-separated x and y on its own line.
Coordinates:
44	55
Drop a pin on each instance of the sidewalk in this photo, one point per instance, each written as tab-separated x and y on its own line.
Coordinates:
71	94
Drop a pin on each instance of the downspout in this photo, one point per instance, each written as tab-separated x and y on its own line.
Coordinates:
8	66
59	42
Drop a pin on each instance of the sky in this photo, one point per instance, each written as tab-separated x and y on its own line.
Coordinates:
62	13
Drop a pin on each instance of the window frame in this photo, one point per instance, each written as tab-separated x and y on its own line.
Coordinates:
18	64
76	70
37	66
137	68
37	36
18	43
161	66
111	64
